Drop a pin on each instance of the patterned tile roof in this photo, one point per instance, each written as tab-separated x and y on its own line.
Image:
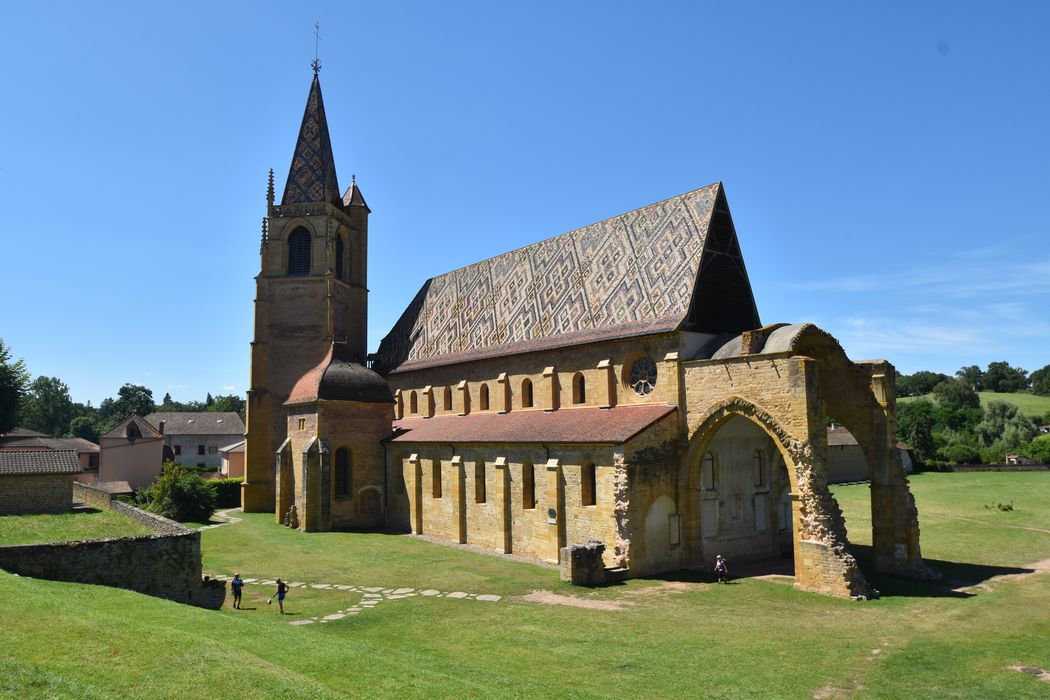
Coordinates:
568	425
312	177
39	462
632	274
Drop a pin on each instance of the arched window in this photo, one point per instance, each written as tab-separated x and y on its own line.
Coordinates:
528	485
447	399
299	252
759	469
579	388
483	398
413	403
435	478
479	481
708	472
344	476
587	484
526	393
340	273
133	433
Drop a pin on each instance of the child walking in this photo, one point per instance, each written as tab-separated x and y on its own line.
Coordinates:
721	569
282	590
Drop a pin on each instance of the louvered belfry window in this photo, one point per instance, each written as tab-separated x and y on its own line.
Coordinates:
299	252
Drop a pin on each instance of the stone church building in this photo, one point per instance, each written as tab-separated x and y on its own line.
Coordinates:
613	383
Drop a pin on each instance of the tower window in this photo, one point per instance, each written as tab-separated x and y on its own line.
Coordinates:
340	273
526	393
299	252
343	472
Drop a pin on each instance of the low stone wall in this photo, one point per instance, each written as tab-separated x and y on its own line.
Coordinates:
35	493
166	564
582	564
1000	467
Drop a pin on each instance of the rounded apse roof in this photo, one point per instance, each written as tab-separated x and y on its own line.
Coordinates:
339	378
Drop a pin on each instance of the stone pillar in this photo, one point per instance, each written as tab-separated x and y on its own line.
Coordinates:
501	397
458	497
399	405
555	515
413	475
462	398
501	470
427	409
284	487
548	398
606	385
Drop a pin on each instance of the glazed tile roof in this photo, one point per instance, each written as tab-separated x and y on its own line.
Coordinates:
197	422
39	462
638	273
568	425
311	177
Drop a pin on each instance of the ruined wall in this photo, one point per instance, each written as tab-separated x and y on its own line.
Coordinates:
36	493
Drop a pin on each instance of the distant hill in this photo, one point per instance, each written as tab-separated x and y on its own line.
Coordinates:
1030	404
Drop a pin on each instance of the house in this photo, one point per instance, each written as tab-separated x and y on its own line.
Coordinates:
232	460
87	452
846	460
195	437
611	384
133	452
37	481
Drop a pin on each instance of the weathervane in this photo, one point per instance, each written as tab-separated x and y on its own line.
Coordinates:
316	64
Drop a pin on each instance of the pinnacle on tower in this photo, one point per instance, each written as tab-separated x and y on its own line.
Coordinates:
312	178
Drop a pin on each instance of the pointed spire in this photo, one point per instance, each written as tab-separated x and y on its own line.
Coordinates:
269	189
265	235
312	178
353	197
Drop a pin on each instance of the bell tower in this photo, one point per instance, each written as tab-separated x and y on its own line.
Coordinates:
311	290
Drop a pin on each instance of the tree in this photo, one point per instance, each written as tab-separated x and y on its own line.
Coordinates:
1003	378
14	380
230	403
131	398
972	376
915	421
1041	381
209	400
84	427
1039	449
48	406
1004	423
920	383
181	494
957	394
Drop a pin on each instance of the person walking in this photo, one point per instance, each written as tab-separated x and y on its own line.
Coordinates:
237	586
722	569
282	591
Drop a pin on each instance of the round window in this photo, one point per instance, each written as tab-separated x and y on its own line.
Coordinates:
643	376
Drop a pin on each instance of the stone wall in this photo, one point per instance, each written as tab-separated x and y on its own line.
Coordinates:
36	493
166	564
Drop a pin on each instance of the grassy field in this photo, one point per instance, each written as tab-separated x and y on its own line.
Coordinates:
1029	404
85	524
676	637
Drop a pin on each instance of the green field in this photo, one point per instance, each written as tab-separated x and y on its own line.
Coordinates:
1029	404
85	524
676	637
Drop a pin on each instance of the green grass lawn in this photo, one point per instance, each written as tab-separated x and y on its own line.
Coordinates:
1029	404
85	524
679	637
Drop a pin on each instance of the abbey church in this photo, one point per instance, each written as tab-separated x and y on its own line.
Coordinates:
611	384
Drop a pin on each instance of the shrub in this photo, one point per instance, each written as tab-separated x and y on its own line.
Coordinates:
1039	449
181	494
227	492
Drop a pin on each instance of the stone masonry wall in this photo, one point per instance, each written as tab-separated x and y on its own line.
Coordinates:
36	493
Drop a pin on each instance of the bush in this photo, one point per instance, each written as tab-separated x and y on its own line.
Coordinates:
1039	449
180	494
227	492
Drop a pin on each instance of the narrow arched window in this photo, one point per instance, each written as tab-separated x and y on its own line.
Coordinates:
343	472
579	388
759	469
133	432
479	481
526	393
340	273
483	398
708	475
413	403
447	399
299	252
435	478
528	486
588	487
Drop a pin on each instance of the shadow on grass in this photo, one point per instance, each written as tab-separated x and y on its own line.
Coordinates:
956	575
84	510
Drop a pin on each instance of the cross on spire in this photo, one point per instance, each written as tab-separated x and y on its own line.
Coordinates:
316	64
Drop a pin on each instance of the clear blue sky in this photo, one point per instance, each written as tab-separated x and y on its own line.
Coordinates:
887	164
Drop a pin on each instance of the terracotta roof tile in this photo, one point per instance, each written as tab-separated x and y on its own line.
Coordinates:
568	425
39	462
198	422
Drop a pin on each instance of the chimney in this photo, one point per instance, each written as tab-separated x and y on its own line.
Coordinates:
160	426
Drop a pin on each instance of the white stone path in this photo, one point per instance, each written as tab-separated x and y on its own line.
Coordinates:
371	596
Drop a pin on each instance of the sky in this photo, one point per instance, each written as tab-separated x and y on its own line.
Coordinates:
887	164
